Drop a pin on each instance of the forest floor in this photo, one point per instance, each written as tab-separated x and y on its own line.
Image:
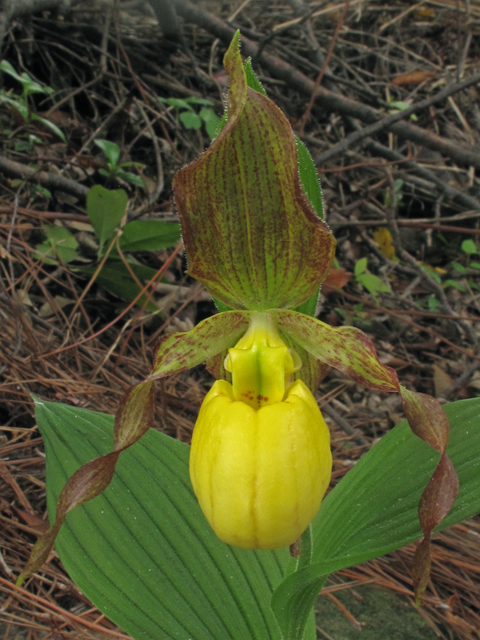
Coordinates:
403	202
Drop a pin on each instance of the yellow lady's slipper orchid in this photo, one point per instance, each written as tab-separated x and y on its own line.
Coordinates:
260	461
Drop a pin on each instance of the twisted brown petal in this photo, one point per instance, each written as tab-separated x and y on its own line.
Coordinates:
352	352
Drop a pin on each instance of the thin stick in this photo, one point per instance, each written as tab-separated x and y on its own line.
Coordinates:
48	606
387	121
331	46
329	100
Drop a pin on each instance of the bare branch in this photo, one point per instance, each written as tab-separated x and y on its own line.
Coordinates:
463	154
11	9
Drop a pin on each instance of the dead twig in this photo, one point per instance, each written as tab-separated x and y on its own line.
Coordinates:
343	424
325	98
11	9
48	180
385	122
308	110
455	195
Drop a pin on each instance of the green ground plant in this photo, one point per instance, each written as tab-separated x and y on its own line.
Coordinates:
372	283
119	274
116	170
20	102
190	118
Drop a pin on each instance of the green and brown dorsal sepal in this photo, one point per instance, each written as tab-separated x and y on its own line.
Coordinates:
251	235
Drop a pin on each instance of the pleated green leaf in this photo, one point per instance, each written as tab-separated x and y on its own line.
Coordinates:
373	510
142	552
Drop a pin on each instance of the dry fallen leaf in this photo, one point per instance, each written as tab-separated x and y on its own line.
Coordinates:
414	77
336	279
441	380
424	12
383	238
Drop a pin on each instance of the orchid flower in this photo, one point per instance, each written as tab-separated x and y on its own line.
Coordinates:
260	459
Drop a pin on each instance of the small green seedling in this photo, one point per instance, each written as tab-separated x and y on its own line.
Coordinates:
35	190
373	284
399	105
431	272
469	248
454	284
438	279
20	101
433	303
59	244
106	211
28	143
189	118
459	268
115	170
357	317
